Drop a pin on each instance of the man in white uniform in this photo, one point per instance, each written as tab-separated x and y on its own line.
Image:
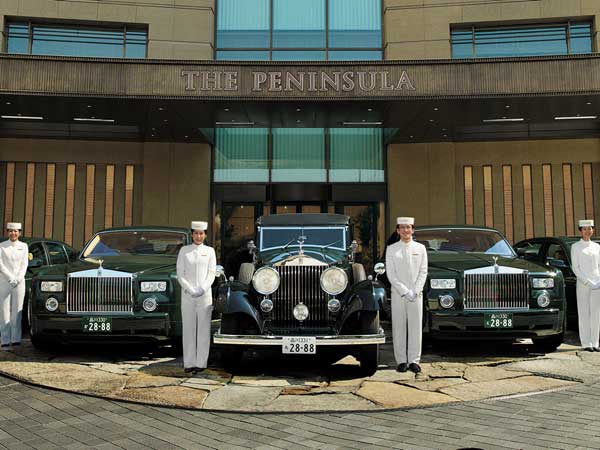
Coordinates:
406	264
14	259
585	261
196	269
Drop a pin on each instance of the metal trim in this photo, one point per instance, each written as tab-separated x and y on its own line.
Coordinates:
231	339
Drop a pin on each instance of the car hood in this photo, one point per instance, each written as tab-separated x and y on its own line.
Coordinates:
453	263
146	265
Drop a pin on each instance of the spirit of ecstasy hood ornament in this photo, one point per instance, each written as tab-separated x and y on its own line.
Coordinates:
496	267
100	261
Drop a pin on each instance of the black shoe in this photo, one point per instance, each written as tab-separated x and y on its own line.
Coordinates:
198	370
4	345
596	349
15	343
414	367
188	370
588	349
402	367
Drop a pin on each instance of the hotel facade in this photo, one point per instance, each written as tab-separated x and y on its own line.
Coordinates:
156	112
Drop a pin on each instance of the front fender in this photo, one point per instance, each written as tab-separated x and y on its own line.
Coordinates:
368	295
234	298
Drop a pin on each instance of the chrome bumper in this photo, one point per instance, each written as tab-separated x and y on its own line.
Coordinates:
233	339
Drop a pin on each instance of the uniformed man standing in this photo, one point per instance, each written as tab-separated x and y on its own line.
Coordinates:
14	259
406	264
196	269
585	258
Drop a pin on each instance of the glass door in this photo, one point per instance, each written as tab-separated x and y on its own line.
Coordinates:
295	207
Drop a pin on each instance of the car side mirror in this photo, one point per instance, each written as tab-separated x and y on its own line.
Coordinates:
35	263
521	252
221	271
559	263
379	269
251	246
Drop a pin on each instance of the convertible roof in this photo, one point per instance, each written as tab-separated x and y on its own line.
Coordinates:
283	220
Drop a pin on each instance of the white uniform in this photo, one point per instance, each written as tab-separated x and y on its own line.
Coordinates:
196	269
14	258
406	265
585	261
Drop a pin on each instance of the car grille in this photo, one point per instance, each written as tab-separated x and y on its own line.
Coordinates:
496	291
99	295
300	284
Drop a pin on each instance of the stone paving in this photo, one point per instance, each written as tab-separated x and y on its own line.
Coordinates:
452	372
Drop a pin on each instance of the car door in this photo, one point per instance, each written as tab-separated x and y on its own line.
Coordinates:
57	253
531	250
557	254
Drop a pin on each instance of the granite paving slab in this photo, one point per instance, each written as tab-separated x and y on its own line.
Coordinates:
397	396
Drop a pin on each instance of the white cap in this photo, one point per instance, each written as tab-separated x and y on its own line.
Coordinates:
201	226
405	221
586	223
13	226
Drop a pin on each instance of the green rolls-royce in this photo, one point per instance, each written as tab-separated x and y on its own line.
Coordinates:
122	288
478	288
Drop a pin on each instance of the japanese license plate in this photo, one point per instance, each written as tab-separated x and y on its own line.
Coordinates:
498	320
299	345
96	324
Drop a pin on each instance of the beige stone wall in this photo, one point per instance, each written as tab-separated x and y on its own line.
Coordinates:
428	180
177	29
420	29
170	184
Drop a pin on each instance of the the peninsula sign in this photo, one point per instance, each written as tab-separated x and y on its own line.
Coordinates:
297	82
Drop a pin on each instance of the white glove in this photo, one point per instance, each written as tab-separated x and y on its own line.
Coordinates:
595	284
198	292
13	283
410	295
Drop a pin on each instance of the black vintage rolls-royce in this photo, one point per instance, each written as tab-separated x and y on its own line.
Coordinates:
303	293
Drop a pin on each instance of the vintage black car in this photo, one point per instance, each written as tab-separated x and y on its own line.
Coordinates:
122	288
477	287
303	294
555	252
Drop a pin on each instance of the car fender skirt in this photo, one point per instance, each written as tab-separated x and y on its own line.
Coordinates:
366	296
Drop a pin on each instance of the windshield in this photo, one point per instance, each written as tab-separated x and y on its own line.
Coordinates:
114	243
277	237
464	240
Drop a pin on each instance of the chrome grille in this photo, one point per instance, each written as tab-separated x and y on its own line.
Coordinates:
300	284
99	294
496	291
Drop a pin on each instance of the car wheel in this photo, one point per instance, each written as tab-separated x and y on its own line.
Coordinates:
548	344
369	354
246	273
40	343
231	358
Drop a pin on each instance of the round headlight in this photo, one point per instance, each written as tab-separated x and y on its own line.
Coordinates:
266	305
149	304
334	280
265	280
447	301
543	300
300	312
51	304
334	305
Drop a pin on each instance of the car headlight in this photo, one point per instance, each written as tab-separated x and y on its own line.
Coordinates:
443	283
149	304
51	286
300	312
51	304
153	286
447	301
334	280
543	300
542	283
265	280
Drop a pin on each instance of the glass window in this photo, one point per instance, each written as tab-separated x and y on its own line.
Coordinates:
298	155
299	24
57	253
354	23
299	55
36	251
67	40
118	243
464	240
237	231
274	237
241	154
551	39
243	24
355	55
243	55
356	155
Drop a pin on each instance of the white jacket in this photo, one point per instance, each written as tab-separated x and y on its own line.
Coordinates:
406	266
585	261
196	268
14	259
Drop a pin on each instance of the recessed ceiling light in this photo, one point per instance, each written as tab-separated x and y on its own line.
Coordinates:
8	103
226	109
298	121
431	120
160	108
588	103
443	129
89	106
411	137
576	117
298	109
436	109
507	106
370	109
504	119
19	116
445	135
186	136
165	120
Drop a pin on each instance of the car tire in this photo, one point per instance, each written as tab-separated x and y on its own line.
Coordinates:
40	343
548	344
369	354
246	273
231	355
358	273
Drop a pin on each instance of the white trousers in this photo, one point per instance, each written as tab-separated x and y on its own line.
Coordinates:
588	310
407	328
196	314
11	310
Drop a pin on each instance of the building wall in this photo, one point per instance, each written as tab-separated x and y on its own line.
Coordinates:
177	29
430	184
69	189
420	29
